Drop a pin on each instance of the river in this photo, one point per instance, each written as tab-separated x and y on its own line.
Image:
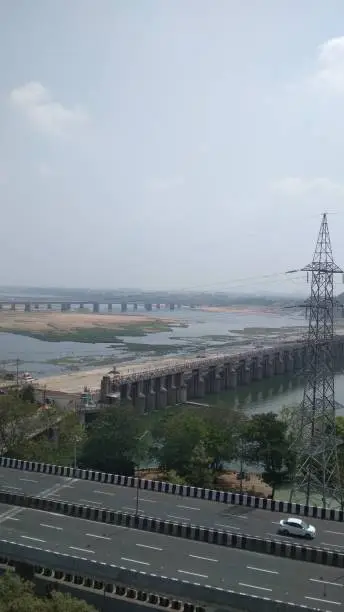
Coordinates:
204	330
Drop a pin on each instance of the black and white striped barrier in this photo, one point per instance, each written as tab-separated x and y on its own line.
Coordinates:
224	497
178	530
137	585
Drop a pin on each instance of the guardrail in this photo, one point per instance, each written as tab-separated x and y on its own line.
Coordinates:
158	486
135	584
178	530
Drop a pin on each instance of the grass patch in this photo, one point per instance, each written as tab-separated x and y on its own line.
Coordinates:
93	335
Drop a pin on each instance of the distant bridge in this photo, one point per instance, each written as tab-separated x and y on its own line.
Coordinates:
65	305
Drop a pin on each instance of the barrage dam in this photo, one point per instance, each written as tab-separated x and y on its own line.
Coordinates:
178	382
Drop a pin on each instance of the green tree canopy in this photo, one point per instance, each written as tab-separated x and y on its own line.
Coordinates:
266	443
18	596
113	443
17	419
178	436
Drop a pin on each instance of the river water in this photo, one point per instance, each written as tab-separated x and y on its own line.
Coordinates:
204	330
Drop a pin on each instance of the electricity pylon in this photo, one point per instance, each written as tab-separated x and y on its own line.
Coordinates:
317	471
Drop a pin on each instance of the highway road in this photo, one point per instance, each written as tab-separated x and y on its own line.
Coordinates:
250	573
236	519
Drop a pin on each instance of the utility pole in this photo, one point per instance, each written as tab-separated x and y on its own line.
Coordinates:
317	471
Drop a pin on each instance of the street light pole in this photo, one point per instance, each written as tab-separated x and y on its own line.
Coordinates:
138	480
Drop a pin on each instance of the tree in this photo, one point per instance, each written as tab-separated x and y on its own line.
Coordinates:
179	436
199	473
17	419
27	394
62	439
266	443
113	443
17	595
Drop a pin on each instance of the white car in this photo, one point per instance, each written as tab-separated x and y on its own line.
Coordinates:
297	527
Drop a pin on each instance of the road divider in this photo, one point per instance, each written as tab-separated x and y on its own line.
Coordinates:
158	486
179	530
132	584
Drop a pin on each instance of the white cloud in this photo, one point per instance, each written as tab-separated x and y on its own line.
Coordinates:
43	112
329	74
164	184
299	187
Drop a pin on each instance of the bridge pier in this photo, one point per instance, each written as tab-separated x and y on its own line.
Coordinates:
27	307
124	307
13	306
96	307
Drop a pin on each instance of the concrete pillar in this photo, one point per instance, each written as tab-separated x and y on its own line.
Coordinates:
280	368
258	373
161	393
49	307
124	307
81	306
171	306
181	392
135	306
96	307
151	396
247	375
289	363
36	306
13	306
0	306
109	307
200	386
140	404
158	306
233	378
171	390
268	367
27	307
148	307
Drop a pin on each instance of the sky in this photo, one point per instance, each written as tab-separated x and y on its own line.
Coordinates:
172	144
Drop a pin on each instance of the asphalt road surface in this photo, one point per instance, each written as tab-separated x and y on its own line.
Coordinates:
236	519
250	573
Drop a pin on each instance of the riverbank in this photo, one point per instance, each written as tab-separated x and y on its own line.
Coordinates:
82	327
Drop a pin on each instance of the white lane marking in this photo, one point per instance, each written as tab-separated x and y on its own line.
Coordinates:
149	501
28	480
326	582
104	493
275	523
12	488
90	501
227	526
12	518
260	569
335	603
334	532
34	539
93	535
134	561
253	586
179	518
333	545
51	526
204	558
188	507
132	509
146	546
87	550
192	574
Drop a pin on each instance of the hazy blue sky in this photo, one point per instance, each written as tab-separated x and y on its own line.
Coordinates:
169	143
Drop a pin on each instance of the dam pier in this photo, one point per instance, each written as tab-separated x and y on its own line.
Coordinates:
178	382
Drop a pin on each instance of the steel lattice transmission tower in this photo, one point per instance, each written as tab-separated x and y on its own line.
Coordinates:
317	473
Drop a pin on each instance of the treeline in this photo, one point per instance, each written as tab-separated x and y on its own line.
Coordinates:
191	446
17	595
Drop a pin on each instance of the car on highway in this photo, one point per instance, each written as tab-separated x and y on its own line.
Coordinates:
296	527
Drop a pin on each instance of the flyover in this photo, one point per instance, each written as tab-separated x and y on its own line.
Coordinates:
204	564
235	519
